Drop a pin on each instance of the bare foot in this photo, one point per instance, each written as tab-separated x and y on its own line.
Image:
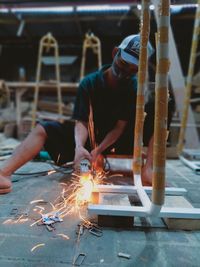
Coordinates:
5	184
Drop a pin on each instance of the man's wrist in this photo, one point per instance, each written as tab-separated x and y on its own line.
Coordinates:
78	146
99	149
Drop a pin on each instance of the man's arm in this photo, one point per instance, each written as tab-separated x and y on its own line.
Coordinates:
109	139
81	135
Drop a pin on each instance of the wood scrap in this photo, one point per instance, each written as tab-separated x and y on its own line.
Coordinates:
53	107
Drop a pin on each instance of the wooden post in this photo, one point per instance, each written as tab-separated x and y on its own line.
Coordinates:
91	41
142	74
4	94
161	105
47	42
196	35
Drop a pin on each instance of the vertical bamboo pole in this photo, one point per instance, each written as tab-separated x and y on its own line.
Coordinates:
83	60
161	105
99	54
196	33
142	73
59	94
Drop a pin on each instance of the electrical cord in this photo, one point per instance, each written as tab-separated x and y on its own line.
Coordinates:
64	169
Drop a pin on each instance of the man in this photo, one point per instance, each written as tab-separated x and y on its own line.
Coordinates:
112	94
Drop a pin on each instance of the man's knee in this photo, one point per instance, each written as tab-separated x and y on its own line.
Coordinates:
39	131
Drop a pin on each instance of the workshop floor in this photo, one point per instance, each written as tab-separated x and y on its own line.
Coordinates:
148	243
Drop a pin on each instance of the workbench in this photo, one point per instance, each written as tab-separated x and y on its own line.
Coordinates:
19	88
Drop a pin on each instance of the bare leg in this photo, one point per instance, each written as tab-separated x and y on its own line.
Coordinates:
147	169
26	151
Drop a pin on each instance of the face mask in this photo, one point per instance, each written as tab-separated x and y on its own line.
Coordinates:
122	70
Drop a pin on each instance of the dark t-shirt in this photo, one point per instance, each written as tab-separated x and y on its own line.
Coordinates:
109	104
112	104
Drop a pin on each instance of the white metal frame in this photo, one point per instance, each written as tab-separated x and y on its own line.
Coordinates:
192	164
148	209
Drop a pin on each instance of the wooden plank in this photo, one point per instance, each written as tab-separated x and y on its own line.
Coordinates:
53	107
46	86
180	224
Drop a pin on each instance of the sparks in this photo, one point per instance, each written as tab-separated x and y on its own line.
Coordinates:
36	201
50	172
37	246
64	236
40	207
16	220
72	197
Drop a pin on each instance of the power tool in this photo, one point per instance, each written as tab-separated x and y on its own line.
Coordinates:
85	167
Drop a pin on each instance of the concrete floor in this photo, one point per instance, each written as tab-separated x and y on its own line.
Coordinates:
149	243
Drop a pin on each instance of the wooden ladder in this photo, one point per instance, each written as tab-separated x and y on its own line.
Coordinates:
47	43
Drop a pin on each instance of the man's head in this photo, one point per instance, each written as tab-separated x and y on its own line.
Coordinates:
126	60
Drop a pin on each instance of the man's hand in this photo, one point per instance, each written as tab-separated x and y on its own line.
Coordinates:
81	153
97	160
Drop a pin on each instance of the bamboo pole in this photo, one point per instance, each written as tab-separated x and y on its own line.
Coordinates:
46	43
142	74
196	34
91	41
161	104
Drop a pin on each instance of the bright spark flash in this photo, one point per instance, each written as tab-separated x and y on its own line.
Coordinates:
83	194
80	189
72	196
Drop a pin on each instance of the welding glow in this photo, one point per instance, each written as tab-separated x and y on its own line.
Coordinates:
84	193
76	195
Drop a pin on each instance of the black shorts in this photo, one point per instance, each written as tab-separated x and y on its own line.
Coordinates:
60	143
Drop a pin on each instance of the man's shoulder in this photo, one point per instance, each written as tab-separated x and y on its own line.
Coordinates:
90	79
